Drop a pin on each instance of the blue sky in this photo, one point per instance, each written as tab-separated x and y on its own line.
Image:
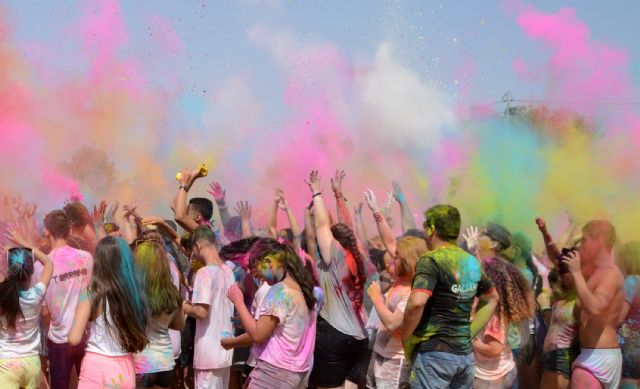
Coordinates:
429	37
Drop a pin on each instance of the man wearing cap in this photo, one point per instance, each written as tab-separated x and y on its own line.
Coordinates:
437	329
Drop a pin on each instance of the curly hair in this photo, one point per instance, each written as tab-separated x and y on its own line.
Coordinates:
516	296
347	239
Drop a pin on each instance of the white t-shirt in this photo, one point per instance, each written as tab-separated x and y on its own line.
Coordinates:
210	288
71	276
256	349
24	341
103	342
292	342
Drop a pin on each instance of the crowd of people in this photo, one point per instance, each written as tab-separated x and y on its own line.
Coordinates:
110	298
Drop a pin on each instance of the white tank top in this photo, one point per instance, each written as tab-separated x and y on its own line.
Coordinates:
101	341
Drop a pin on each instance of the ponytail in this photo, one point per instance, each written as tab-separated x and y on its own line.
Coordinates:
10	301
355	262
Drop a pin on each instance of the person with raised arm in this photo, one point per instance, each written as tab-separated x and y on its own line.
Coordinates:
388	366
437	329
341	338
198	211
341	202
407	222
20	314
600	288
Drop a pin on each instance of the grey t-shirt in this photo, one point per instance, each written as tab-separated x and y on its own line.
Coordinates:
335	280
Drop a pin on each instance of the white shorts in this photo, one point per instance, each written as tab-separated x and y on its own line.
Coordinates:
604	363
212	378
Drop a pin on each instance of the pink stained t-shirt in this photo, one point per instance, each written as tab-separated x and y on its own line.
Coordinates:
389	343
292	342
210	288
71	276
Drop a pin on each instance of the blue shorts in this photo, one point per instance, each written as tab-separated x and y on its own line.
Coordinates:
437	369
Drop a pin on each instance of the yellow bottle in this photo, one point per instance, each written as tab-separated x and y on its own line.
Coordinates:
202	168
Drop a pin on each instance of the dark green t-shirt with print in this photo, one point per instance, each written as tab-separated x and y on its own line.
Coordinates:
453	278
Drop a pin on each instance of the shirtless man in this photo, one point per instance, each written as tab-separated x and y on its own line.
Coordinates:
600	287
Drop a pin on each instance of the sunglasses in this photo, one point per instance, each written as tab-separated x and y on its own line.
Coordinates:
139	241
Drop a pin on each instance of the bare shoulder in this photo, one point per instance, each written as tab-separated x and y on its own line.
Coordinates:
610	277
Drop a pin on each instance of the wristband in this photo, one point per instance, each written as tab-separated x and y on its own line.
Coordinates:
378	216
186	188
316	194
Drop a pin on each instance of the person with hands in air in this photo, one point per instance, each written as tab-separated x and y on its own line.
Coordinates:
407	221
198	211
286	324
291	234
243	209
437	329
212	311
341	335
20	314
341	201
388	366
600	288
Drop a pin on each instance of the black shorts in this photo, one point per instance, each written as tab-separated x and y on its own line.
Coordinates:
337	356
240	354
187	337
149	380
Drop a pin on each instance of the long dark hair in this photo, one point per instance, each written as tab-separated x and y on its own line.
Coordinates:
347	239
291	262
516	296
116	281
19	272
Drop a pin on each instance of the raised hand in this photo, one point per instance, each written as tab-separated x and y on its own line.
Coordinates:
336	182
389	202
129	211
282	199
397	192
357	210
471	236
314	182
30	210
111	212
217	192
370	198
14	236
243	209
98	212
186	177
542	224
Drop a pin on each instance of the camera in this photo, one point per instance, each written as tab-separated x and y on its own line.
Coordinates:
562	266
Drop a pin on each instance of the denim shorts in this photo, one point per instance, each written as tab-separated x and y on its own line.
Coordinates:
559	361
437	369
